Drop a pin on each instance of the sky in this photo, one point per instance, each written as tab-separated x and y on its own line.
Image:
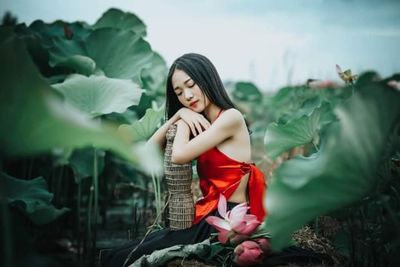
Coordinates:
270	43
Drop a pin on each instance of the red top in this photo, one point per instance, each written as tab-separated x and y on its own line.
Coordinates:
220	174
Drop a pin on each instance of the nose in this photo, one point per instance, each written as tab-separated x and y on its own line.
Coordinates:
188	94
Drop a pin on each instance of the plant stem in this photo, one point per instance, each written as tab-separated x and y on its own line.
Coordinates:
7	259
89	222
30	167
315	146
57	192
78	227
353	243
96	200
147	233
157	195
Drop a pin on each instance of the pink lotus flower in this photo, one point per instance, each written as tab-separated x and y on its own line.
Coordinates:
235	225
248	253
264	244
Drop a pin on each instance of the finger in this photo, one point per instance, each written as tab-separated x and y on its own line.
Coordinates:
192	128
198	127
205	123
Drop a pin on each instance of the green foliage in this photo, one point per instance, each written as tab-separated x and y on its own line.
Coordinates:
344	169
81	161
115	18
108	71
34	120
98	95
287	100
154	77
142	130
95	71
245	91
77	63
117	53
59	29
32	197
298	131
291	102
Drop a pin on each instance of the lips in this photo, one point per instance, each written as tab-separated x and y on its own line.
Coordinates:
194	103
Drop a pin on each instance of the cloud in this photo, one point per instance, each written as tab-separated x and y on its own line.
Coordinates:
261	41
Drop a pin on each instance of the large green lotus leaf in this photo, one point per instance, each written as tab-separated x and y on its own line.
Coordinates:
288	100
64	49
41	36
71	54
82	162
34	119
119	54
32	196
141	130
298	131
148	97
342	172
366	78
246	91
154	77
115	18
36	48
127	117
6	32
98	95
307	109
61	29
78	63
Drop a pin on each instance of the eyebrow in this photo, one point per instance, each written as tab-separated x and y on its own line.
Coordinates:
176	88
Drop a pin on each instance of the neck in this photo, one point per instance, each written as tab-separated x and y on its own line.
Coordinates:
211	112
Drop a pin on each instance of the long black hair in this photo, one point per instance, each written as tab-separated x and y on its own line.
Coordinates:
204	74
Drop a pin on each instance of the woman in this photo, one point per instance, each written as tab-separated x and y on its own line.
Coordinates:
197	102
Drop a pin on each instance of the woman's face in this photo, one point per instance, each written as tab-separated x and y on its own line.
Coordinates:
188	92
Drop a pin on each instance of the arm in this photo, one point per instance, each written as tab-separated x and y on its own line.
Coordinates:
159	136
196	122
185	150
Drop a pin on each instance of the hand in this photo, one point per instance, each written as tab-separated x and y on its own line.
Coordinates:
196	121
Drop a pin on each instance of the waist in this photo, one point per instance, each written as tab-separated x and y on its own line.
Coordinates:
230	205
237	198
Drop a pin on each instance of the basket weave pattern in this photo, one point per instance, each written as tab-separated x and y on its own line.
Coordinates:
179	181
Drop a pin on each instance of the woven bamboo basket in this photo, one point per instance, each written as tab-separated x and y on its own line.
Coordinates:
179	181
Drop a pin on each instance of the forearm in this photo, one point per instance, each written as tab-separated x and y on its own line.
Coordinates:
182	137
159	136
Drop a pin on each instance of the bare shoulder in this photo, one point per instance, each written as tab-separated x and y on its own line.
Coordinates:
232	116
233	112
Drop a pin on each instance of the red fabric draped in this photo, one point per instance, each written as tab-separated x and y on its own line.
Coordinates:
220	174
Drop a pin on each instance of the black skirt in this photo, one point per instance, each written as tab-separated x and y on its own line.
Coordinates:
197	233
160	239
